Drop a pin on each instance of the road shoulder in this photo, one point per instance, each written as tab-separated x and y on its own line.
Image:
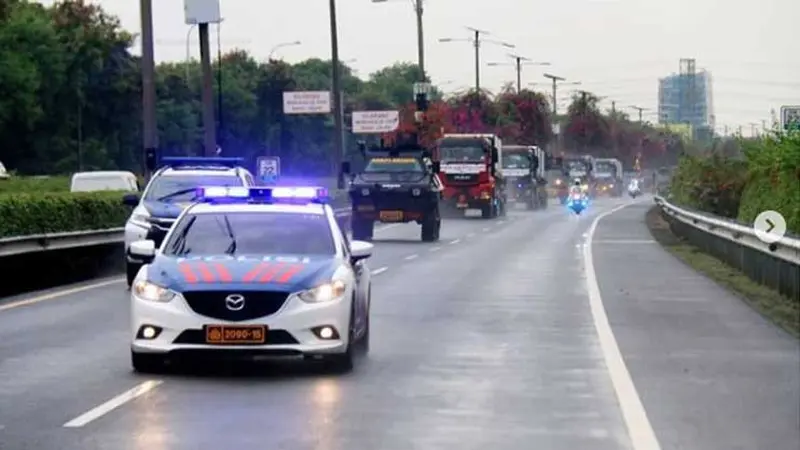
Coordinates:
712	373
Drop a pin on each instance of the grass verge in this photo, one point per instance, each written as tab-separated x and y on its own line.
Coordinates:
781	310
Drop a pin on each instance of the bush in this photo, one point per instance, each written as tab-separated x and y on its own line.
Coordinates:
774	179
35	184
767	179
713	184
37	213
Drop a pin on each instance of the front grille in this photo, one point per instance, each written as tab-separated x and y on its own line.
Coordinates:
256	304
198	337
396	200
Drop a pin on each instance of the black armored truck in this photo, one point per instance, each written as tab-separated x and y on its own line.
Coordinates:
398	184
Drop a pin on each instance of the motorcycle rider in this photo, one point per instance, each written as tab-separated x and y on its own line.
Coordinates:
633	188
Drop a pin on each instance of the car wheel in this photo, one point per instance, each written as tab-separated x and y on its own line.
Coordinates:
131	270
148	362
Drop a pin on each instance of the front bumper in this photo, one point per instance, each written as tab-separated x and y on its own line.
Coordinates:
289	330
413	208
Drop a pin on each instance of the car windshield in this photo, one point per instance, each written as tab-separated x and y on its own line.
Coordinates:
251	233
462	154
576	166
516	161
393	165
181	188
605	167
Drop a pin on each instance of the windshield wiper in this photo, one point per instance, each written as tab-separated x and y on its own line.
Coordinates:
179	244
176	194
232	247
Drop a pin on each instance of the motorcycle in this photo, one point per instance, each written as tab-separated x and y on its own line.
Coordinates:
634	190
577	203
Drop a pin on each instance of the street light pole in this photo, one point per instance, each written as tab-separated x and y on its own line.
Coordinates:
281	45
209	128
640	112
338	114
520	61
150	131
476	41
220	120
555	80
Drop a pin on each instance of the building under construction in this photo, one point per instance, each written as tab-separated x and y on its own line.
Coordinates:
686	98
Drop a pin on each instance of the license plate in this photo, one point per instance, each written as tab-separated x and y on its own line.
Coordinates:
246	334
391	216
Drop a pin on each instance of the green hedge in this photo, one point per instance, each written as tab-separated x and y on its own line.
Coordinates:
35	184
767	177
23	214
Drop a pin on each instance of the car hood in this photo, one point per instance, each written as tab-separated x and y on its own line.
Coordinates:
167	210
281	273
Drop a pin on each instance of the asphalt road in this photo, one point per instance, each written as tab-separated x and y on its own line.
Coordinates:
491	338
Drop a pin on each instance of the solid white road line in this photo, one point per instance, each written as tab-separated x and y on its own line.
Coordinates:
379	270
639	428
410	257
114	403
61	293
625	241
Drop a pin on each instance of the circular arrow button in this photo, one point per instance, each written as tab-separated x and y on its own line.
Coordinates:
770	227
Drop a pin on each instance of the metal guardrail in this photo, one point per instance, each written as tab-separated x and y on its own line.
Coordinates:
775	265
19	245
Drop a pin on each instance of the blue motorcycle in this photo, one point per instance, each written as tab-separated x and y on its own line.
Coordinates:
577	203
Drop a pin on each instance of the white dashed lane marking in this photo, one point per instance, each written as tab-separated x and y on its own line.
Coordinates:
410	257
101	410
435	249
379	270
455	241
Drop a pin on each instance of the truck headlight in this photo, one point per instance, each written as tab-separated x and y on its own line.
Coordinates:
323	293
415	192
146	290
365	192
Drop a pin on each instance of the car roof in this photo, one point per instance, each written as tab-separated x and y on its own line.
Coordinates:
103	173
200	171
211	208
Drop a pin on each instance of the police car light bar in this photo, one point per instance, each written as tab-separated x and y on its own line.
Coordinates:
201	161
263	194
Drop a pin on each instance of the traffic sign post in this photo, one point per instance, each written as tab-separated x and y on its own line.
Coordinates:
790	118
269	169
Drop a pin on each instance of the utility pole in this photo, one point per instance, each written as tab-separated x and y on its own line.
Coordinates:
220	120
338	114
209	128
613	109
418	11
556	79
520	61
640	112
150	131
476	41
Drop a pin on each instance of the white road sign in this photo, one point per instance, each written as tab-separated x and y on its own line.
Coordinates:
269	168
307	102
790	118
365	122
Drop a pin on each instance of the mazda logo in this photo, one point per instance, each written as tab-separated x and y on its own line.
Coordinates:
234	302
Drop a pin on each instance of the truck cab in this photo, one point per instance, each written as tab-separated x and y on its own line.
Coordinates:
471	173
608	177
524	168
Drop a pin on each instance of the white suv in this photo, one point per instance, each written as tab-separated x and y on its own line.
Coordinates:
171	189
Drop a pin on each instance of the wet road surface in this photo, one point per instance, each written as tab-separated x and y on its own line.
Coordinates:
486	339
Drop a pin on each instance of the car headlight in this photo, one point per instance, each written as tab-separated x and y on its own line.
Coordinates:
140	220
323	293
415	192
365	191
152	292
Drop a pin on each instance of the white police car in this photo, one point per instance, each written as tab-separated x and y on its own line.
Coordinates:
171	189
251	272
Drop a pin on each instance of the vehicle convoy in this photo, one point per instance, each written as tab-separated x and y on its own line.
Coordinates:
170	190
251	272
398	184
580	168
471	171
524	171
608	177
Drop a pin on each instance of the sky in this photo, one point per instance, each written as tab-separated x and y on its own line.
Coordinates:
615	48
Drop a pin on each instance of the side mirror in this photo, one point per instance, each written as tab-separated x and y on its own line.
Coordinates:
130	199
143	249
436	166
360	250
